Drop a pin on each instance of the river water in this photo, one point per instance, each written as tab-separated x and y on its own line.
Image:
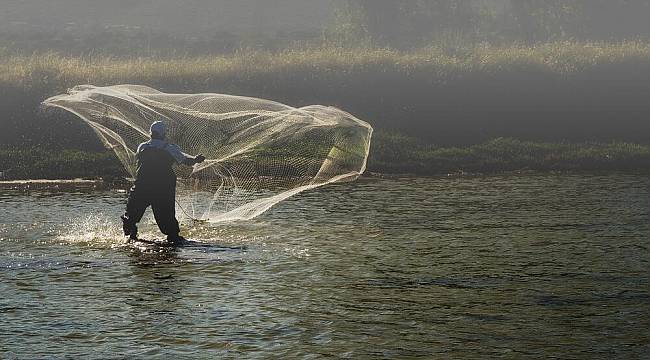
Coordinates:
535	266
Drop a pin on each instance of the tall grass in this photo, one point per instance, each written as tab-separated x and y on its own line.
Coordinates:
55	71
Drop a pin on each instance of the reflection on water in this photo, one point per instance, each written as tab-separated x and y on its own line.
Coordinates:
486	267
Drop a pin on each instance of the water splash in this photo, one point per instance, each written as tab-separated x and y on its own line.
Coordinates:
94	230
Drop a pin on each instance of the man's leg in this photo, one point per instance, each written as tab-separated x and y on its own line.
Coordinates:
164	211
136	205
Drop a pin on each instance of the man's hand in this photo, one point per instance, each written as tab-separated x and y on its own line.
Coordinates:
191	161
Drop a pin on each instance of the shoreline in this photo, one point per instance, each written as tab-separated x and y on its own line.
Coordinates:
39	184
121	184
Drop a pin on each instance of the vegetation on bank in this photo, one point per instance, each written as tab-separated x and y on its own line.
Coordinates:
396	153
391	153
449	96
467	76
55	72
572	105
38	163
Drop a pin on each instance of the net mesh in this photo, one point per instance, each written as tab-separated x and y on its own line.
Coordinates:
259	152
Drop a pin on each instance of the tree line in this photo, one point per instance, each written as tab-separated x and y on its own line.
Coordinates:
409	23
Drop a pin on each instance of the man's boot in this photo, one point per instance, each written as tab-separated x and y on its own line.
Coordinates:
175	239
129	228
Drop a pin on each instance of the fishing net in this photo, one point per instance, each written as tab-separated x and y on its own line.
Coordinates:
259	152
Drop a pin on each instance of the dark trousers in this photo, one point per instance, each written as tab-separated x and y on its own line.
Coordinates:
162	202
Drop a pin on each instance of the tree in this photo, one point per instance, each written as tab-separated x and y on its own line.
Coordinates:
383	20
409	22
541	20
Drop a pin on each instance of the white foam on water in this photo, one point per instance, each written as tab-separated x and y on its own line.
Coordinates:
225	243
94	229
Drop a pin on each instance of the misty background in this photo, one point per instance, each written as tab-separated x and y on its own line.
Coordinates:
146	27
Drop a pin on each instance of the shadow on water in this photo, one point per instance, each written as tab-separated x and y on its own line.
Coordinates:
151	258
151	254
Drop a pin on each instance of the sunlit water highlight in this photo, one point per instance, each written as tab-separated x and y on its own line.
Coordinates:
490	267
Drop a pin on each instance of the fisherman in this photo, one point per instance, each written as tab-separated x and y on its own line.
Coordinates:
155	184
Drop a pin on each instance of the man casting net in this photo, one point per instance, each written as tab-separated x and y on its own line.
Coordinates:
258	152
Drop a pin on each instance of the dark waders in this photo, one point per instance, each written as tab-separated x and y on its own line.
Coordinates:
155	186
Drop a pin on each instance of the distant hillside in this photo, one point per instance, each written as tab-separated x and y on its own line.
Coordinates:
181	18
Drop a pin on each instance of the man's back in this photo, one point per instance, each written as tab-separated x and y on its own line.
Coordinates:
155	168
155	159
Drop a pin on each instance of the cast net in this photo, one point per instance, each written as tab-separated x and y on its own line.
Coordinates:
259	152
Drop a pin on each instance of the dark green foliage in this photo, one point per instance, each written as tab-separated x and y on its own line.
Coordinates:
391	153
395	153
38	163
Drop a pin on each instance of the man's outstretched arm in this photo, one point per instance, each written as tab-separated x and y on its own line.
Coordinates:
191	161
183	158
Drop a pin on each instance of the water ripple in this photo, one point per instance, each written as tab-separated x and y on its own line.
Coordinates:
539	266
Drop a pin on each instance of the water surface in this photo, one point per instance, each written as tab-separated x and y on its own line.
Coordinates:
487	267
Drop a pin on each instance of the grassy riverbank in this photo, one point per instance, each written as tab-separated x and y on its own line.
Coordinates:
570	105
391	154
399	154
450	96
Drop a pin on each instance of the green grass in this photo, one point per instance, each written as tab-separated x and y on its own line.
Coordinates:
394	153
63	164
391	154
